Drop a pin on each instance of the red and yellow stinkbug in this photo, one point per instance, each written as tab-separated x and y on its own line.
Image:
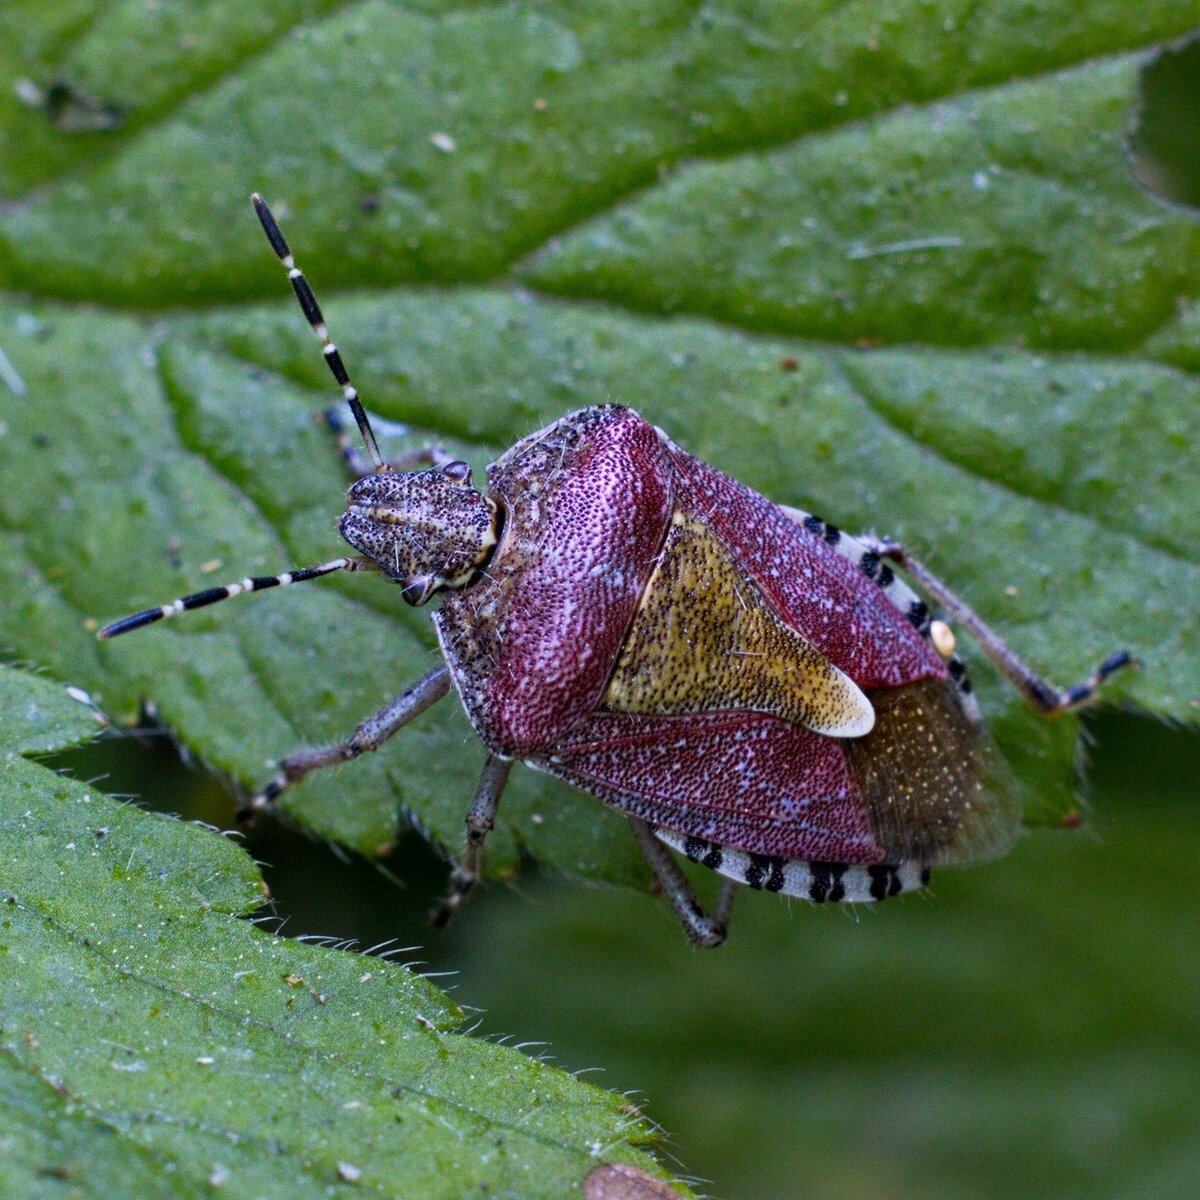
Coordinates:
756	689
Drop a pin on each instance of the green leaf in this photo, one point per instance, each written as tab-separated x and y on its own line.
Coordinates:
924	208
151	1043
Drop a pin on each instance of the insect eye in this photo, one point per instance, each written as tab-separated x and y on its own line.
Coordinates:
415	591
458	471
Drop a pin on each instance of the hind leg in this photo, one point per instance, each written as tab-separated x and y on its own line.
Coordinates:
1044	696
868	552
703	929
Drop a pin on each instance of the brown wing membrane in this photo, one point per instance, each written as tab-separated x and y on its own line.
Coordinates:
935	786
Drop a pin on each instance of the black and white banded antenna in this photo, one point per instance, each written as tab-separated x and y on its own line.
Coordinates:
257	583
254	583
312	310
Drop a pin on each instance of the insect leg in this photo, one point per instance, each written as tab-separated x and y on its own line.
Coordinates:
1048	699
357	462
704	930
370	735
480	818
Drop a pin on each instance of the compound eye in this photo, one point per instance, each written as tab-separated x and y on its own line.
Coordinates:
416	591
457	471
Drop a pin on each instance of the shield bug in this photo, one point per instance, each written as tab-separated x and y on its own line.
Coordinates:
755	689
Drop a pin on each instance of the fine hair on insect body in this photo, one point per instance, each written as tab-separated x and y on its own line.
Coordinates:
757	690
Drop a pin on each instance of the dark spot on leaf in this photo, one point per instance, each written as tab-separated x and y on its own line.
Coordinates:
71	109
1166	130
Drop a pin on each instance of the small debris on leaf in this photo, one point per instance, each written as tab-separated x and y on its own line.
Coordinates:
619	1181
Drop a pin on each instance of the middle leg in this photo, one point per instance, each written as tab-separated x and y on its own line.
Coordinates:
481	817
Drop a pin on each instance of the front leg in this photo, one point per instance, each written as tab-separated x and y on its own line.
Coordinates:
357	462
370	735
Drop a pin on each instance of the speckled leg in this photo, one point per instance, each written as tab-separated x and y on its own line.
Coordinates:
1046	698
704	930
370	735
481	816
358	464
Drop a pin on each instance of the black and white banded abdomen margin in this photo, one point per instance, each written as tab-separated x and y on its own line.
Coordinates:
816	882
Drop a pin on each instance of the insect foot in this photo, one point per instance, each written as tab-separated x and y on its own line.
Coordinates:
758	691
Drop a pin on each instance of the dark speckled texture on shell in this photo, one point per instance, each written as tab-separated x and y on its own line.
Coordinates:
741	779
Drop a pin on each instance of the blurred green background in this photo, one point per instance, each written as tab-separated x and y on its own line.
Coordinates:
1028	1029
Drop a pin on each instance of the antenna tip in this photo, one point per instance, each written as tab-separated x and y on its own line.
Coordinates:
271	228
